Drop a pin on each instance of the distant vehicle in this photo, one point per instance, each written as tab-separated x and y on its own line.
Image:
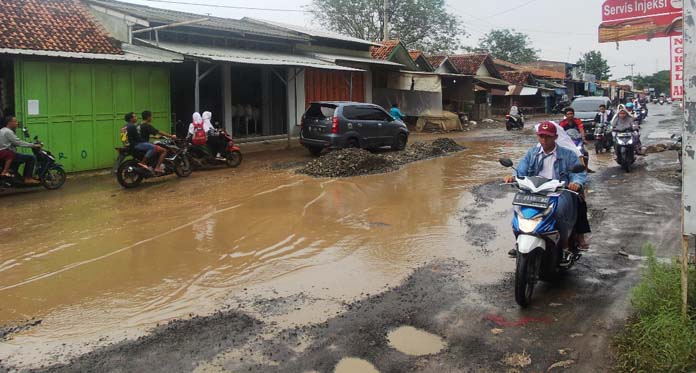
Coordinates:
337	125
586	108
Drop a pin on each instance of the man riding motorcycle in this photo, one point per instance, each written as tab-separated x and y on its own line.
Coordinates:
555	162
139	139
571	122
10	141
625	122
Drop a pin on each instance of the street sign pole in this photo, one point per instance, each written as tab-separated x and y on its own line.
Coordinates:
688	144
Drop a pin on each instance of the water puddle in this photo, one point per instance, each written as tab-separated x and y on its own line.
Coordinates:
415	342
354	365
100	260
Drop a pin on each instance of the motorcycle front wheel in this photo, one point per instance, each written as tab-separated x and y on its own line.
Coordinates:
53	178
127	176
234	158
525	277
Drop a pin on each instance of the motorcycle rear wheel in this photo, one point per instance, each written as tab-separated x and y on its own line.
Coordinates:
183	167
54	178
126	177
234	159
525	278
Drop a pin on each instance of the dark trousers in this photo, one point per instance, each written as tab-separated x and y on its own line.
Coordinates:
582	225
217	144
29	161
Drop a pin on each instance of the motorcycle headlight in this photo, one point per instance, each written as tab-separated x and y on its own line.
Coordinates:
529	225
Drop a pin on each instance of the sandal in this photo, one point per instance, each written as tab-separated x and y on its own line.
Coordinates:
584	247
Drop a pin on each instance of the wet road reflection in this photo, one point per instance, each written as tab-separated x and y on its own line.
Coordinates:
94	259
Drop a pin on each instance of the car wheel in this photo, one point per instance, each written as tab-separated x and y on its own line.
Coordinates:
400	142
315	151
353	143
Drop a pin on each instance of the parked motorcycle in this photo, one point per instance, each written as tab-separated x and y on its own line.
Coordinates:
130	173
603	138
50	173
203	156
513	122
544	250
625	148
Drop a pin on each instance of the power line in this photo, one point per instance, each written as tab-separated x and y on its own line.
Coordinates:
226	6
509	10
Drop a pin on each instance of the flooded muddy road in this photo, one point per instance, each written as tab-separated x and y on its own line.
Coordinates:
267	270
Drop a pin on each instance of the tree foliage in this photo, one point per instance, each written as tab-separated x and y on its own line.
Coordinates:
420	24
592	62
508	45
661	81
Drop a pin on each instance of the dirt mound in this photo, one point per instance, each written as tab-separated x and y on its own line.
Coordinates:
347	162
355	162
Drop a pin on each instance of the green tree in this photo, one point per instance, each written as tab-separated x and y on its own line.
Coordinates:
420	24
592	62
661	81
508	45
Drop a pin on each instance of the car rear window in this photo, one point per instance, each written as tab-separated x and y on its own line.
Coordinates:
320	111
587	105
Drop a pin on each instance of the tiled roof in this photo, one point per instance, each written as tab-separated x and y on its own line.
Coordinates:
516	77
415	54
468	64
546	73
383	52
504	63
52	25
436	61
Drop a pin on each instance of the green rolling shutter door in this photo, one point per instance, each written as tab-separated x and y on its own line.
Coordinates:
81	106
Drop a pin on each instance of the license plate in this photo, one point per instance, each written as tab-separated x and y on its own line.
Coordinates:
531	200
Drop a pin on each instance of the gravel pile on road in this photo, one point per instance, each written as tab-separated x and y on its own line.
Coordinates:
355	162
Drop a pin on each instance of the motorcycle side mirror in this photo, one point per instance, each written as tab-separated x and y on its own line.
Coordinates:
505	162
674	135
25	131
577	169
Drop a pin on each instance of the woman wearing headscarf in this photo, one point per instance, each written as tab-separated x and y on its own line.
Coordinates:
624	122
215	141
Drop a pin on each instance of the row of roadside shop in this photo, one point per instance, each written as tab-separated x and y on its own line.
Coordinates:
71	69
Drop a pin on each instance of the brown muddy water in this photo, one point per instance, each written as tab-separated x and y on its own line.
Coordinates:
98	263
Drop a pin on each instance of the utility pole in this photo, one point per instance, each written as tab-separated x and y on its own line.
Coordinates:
631	65
386	20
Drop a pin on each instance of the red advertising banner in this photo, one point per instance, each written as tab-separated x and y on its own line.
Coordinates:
615	10
644	28
677	58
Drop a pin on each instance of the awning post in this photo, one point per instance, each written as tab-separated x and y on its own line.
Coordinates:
197	89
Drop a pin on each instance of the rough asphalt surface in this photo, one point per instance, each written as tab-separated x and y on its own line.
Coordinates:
570	324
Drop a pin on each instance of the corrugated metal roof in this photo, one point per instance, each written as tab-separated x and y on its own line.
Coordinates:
132	53
245	56
167	16
311	32
491	81
366	60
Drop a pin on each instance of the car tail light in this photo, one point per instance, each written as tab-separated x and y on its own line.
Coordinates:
334	125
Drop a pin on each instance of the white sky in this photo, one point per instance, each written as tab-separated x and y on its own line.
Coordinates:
561	29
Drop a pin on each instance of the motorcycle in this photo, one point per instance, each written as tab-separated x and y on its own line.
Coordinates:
203	157
544	249
625	148
130	173
560	107
603	138
50	173
512	122
580	144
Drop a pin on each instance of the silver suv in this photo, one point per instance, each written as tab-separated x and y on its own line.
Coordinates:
338	125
